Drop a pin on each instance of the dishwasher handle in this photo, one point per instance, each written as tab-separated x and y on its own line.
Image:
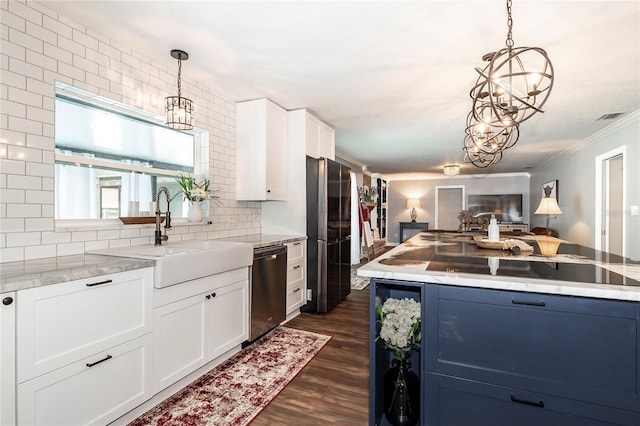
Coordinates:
269	252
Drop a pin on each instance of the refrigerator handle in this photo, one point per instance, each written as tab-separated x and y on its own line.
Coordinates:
322	277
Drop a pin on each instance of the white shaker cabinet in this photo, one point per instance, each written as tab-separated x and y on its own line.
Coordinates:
296	276
319	137
84	349
261	151
198	321
7	358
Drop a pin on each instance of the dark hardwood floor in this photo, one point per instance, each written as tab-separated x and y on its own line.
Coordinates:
334	387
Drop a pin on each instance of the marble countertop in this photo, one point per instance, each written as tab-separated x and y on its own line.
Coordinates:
16	276
455	259
264	240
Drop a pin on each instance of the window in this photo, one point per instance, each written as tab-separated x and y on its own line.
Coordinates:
111	159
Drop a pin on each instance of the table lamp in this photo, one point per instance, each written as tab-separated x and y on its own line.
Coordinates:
412	203
549	206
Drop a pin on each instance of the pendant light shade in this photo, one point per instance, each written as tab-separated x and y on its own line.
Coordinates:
179	110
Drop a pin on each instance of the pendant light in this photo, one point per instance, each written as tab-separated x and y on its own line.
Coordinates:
484	142
179	110
515	83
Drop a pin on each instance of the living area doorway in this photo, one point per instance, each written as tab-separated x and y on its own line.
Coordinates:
609	236
450	200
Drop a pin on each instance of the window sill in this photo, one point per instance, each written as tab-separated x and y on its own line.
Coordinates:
70	225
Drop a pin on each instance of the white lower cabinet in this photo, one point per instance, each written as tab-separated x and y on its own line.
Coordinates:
7	358
84	349
196	322
296	276
95	390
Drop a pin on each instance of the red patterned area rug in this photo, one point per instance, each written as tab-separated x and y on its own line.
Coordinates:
239	389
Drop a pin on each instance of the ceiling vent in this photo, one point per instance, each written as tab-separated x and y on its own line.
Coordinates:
610	116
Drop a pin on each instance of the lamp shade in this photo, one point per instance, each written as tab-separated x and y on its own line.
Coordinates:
548	245
549	206
413	203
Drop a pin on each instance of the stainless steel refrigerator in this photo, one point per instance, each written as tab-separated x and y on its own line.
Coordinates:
329	234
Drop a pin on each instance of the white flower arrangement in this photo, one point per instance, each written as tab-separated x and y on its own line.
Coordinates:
400	325
192	191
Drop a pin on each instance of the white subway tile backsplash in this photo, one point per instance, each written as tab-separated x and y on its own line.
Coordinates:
41	60
39	142
38	252
11	196
12	225
13	108
12	167
22	153
71	46
96	245
84	236
56	237
56	26
40	169
39	224
58	49
23	210
69	249
18	239
13	254
13	79
39	197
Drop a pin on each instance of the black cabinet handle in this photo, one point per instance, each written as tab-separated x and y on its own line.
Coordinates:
208	296
527	402
7	301
213	294
527	302
91	364
296	244
268	190
296	290
98	283
296	267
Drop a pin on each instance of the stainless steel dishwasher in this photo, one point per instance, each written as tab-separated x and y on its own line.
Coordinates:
268	289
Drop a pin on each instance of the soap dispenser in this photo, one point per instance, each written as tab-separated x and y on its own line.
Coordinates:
494	231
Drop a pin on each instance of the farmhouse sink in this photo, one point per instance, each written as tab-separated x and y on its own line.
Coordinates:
187	260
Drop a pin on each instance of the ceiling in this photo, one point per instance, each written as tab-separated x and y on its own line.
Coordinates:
392	77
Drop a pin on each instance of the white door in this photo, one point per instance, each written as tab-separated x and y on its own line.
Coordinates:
613	205
449	202
610	202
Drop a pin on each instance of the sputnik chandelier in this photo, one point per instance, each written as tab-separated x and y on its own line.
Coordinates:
511	88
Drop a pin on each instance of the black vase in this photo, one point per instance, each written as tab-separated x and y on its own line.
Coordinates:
401	394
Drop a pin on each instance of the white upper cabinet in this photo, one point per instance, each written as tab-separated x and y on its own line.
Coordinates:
319	138
261	151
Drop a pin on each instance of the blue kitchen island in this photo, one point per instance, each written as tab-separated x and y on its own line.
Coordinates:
513	339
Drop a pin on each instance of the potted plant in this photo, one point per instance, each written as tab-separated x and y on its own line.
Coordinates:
195	193
399	321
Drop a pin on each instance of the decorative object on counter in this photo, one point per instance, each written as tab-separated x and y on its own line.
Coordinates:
197	194
400	331
548	245
139	220
451	169
235	392
413	203
179	110
502	244
195	212
549	204
493	230
469	222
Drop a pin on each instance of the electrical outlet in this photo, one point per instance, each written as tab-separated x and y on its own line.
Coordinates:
634	210
309	294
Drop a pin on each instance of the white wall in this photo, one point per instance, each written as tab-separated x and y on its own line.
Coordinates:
400	190
575	172
38	48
